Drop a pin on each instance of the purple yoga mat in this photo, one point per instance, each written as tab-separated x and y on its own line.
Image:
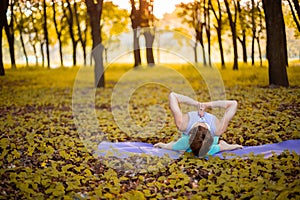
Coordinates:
267	150
124	149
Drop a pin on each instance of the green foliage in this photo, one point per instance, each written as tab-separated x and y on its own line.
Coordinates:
42	156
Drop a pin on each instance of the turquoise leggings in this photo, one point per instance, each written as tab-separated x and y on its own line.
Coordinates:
183	144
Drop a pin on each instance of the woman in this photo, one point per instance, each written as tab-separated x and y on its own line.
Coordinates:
200	130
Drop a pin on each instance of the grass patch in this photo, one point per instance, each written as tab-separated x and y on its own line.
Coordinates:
42	156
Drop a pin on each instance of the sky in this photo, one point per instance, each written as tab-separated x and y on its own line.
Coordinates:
160	6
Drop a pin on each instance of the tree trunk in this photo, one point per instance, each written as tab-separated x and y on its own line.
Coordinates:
79	31
252	48
20	29
221	47
149	37
244	47
136	49
58	33
207	29
199	38
9	30
23	47
95	11
219	30
276	43
84	41
3	10
195	52
46	35
253	30
259	50
234	37
71	31
135	17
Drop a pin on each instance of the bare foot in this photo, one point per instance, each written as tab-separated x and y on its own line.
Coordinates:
225	146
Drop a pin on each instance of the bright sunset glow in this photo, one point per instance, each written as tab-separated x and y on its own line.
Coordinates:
160	6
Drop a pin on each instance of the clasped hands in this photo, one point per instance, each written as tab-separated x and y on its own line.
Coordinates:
201	108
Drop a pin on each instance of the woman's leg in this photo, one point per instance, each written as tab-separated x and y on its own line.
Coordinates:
225	146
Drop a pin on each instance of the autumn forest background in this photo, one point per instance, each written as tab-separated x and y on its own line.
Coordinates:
66	65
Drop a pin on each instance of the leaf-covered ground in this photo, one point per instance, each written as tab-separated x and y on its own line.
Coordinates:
43	157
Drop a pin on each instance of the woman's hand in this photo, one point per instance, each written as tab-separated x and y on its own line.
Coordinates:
158	145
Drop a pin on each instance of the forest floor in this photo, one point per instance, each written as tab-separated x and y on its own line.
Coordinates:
47	153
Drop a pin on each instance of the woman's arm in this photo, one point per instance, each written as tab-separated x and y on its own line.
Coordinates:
164	145
230	106
181	120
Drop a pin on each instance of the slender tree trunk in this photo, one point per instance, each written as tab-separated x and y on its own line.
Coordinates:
20	29
95	11
135	17
149	37
136	50
31	41
71	32
58	33
297	21
244	46
42	52
195	51
234	36
9	30
253	30
46	34
3	10
84	41
221	48
24	48
207	29
259	50
79	30
276	43
242	23
252	48
219	30
203	54
2	71
199	38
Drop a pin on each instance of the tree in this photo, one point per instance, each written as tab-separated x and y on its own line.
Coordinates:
9	30
135	17
206	10
59	26
296	17
142	21
114	21
191	15
253	24
94	9
71	25
218	28
147	22
243	26
276	43
21	24
81	33
259	33
232	23
45	27
3	10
